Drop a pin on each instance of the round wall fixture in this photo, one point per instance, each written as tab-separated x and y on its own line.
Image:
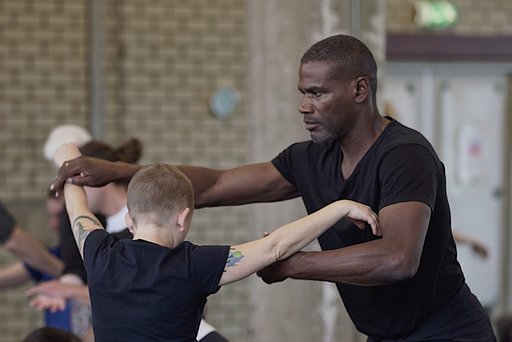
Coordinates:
223	102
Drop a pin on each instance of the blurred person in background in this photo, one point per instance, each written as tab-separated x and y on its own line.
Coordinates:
19	273
20	243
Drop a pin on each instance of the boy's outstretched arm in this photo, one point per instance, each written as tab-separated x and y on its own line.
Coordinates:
82	219
250	257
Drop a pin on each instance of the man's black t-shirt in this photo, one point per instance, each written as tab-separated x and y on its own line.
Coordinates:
400	166
142	291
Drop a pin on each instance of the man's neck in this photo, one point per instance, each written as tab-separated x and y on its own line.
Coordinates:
361	139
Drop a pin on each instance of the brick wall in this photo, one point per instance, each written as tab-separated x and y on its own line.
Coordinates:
162	63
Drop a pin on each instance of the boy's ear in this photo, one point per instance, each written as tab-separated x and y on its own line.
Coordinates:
129	223
183	219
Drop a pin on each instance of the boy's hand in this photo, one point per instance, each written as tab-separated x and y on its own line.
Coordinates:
361	215
65	152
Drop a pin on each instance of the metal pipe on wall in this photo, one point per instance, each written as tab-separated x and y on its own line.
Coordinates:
506	287
355	25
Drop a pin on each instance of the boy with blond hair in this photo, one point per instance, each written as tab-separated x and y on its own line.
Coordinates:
155	286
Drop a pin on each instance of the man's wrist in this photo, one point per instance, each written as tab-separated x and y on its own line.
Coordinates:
290	265
126	171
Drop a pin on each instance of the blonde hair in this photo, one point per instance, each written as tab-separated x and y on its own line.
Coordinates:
158	191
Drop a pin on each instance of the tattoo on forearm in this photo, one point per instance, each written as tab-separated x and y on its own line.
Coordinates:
234	257
82	226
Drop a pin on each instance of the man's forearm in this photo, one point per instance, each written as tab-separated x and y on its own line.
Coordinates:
203	181
125	171
252	183
367	264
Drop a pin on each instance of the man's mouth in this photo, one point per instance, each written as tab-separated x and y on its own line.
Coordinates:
310	125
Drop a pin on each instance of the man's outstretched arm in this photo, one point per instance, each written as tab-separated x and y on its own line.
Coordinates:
393	258
241	185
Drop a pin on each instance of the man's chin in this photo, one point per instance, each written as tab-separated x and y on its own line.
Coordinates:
320	139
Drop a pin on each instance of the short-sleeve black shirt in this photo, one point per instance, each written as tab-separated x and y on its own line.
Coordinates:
400	166
142	291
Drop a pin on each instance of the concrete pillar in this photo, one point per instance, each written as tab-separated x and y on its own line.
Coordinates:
279	33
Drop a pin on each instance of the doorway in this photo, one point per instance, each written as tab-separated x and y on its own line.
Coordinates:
461	109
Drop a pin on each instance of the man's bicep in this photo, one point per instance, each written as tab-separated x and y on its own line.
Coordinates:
404	226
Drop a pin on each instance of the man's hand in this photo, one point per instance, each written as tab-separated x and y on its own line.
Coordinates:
274	273
84	171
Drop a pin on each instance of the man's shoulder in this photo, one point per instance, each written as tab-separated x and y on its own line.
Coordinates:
306	151
398	136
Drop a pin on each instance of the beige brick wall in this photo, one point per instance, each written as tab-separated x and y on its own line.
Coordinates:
163	60
42	84
490	17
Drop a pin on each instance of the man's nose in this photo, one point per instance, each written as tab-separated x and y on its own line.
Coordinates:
305	105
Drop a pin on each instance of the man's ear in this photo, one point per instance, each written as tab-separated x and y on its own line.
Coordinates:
362	89
129	223
182	219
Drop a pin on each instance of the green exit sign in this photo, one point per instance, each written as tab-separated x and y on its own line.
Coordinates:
435	14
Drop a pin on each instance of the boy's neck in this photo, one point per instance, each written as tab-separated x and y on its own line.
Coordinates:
157	235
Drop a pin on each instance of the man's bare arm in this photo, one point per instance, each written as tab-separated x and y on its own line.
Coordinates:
245	184
252	183
394	257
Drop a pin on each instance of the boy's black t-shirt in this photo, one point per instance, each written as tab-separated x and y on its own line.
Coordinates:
142	291
400	166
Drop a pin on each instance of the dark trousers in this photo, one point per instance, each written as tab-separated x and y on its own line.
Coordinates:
462	319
